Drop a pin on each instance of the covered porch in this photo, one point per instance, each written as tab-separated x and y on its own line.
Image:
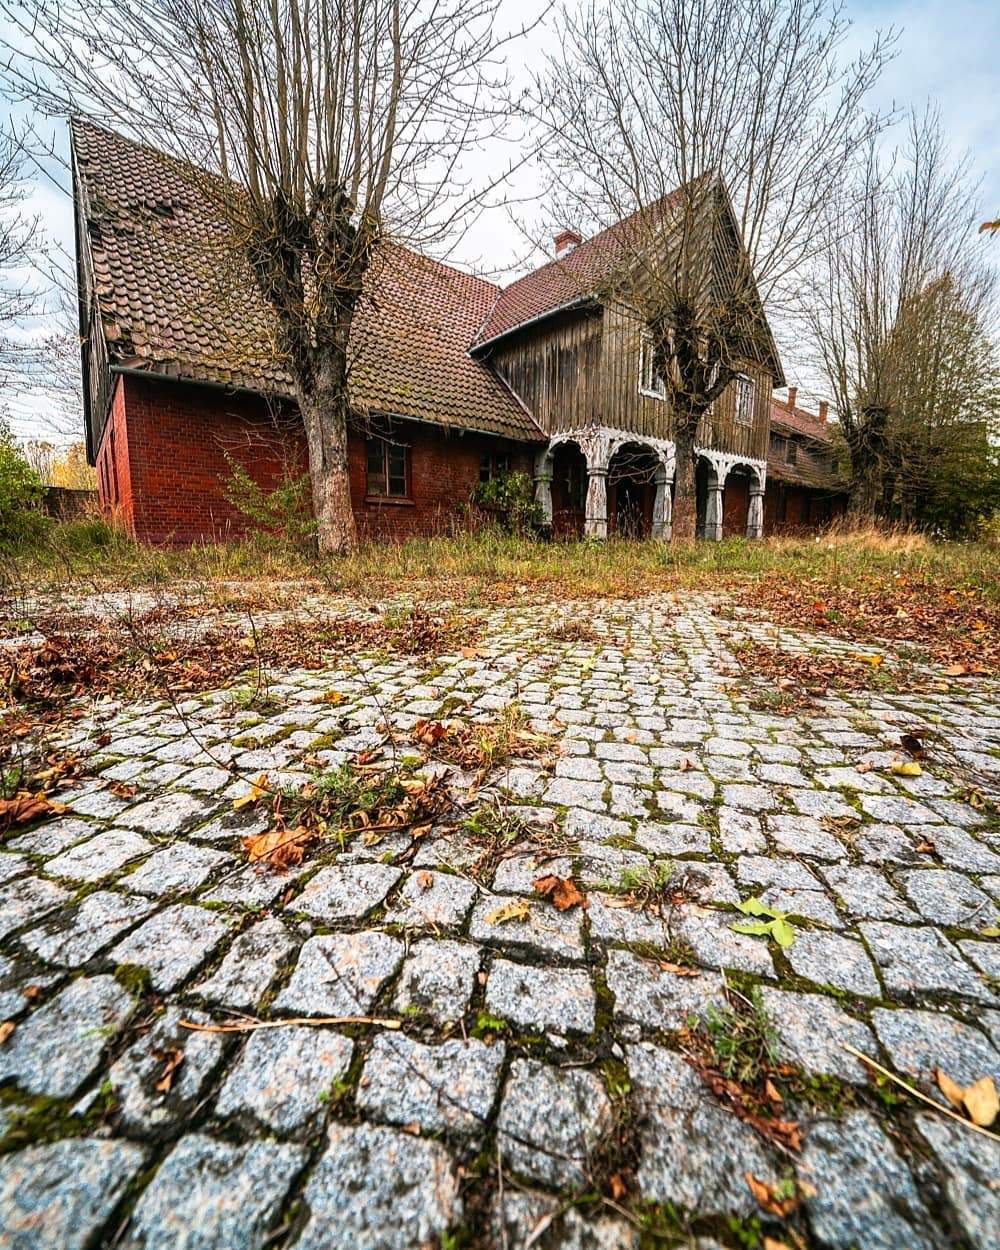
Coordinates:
597	482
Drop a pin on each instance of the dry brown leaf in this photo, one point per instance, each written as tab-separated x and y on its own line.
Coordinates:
981	1101
281	848
618	1187
257	791
562	891
171	1059
679	970
518	909
770	1199
6	1029
428	732
425	880
951	1089
25	807
926	847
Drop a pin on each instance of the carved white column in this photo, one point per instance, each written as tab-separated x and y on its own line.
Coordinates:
596	523
755	513
662	506
543	486
713	513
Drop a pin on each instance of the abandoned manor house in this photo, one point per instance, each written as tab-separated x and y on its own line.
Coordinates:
455	381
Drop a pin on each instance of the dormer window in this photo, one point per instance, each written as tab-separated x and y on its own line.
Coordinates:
650	381
746	399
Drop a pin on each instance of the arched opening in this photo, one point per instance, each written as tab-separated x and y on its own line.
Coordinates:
569	490
709	518
736	500
632	490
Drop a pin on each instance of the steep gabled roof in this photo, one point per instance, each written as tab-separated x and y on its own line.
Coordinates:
592	268
174	301
570	280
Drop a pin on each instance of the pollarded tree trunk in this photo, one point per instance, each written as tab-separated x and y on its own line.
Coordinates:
325	411
685	517
867	447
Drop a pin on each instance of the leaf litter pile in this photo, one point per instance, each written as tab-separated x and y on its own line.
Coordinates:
363	799
958	628
141	657
481	746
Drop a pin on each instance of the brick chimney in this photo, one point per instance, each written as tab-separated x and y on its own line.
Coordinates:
824	409
565	241
792	393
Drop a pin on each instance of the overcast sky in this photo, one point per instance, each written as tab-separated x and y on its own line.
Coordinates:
947	54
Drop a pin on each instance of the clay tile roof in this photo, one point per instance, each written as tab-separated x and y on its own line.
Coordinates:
799	421
571	279
174	301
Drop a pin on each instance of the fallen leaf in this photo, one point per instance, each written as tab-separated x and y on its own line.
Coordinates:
951	1089
171	1059
257	791
905	768
282	848
780	1199
679	970
563	891
978	1100
515	910
926	847
24	808
618	1187
955	670
333	697
981	1101
425	880
428	732
6	1029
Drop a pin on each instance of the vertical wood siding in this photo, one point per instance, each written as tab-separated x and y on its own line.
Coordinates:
583	370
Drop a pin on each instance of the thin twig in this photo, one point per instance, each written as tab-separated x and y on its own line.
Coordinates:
250	1025
910	1089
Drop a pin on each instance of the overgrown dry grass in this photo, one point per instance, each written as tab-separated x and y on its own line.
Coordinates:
489	566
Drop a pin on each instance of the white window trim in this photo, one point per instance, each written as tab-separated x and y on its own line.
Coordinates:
739	380
645	352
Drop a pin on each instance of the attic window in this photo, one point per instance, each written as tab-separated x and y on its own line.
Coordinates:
650	382
746	397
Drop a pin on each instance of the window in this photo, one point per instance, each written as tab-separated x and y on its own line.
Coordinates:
388	469
492	466
791	451
650	382
746	396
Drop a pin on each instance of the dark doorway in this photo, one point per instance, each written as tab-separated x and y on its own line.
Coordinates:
632	491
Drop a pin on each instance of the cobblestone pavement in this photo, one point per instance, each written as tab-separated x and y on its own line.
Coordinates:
512	1066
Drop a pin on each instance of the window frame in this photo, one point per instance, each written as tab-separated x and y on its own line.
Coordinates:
646	374
745	386
791	452
494	465
385	494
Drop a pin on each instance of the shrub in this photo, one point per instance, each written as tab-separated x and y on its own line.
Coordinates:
511	498
284	512
21	517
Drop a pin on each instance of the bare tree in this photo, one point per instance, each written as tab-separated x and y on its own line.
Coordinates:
692	121
903	267
18	241
326	127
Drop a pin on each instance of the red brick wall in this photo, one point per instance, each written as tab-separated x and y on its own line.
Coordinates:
170	450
